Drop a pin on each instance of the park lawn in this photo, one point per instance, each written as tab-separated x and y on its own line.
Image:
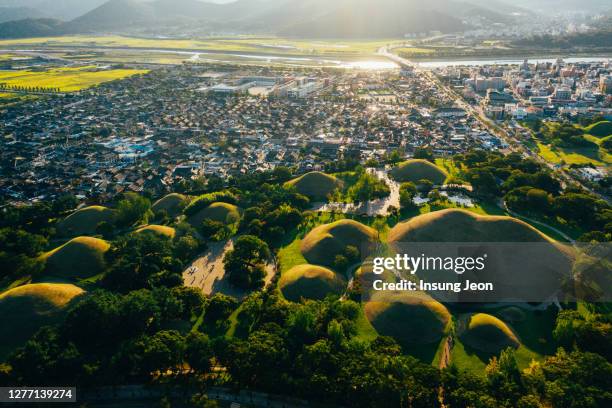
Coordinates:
534	333
365	330
66	79
557	155
454	171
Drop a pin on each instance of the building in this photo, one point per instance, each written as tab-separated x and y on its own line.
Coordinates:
497	98
563	93
605	84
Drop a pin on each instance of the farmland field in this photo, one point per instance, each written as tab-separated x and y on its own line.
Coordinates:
263	45
66	79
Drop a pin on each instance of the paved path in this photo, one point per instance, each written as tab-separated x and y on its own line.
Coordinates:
208	273
542	224
371	208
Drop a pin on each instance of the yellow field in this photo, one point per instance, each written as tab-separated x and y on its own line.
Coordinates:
271	45
67	79
414	51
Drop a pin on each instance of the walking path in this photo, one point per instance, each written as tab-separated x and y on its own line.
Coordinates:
208	273
542	224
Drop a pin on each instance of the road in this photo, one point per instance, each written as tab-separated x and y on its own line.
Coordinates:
496	130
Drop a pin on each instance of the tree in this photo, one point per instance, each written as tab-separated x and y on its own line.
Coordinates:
214	230
483	181
64	203
424	186
133	209
424	153
246	263
368	187
408	192
198	352
142	261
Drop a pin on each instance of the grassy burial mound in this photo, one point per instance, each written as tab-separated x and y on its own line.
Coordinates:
85	221
325	242
310	282
454	225
220	212
488	334
162	230
520	260
81	257
315	185
416	170
24	309
408	317
173	204
600	129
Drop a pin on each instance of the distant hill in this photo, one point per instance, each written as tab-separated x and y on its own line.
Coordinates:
113	14
297	18
556	6
19	13
593	39
40	27
362	18
61	9
293	18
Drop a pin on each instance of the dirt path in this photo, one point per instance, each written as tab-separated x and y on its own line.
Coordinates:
445	358
208	273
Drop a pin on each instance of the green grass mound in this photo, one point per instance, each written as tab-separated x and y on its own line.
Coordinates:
221	212
520	257
453	225
600	129
315	185
310	282
162	230
80	258
85	221
324	242
489	334
416	170
173	204
408	317
24	309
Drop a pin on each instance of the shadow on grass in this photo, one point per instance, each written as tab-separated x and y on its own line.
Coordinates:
424	352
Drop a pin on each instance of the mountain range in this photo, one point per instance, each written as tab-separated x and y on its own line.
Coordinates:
299	18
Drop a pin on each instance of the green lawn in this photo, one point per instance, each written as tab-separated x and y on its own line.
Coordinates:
534	332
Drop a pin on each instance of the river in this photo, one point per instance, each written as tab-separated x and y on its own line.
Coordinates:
505	61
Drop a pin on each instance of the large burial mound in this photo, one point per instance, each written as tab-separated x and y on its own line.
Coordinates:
324	242
220	212
523	263
81	257
24	309
454	225
489	334
315	185
416	170
160	230
310	282
85	221
173	204
409	317
600	129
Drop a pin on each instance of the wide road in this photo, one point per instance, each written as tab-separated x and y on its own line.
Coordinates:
496	130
